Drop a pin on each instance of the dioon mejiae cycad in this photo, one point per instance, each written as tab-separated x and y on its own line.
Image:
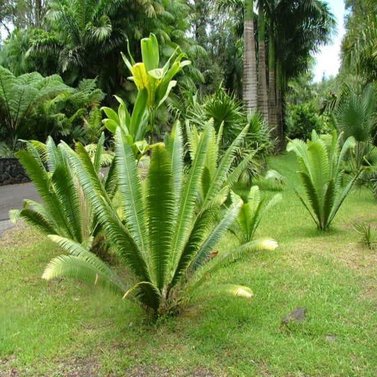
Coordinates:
165	236
321	172
63	209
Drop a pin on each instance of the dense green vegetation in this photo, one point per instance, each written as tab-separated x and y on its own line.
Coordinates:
148	128
61	327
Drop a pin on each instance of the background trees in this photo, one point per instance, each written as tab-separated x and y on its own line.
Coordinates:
252	47
359	48
277	47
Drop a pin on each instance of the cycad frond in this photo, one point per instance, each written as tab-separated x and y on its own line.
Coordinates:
187	204
224	166
161	212
82	269
130	188
215	235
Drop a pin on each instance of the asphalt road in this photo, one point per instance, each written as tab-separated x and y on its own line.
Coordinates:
12	197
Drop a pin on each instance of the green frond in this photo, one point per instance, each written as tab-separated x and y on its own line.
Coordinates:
233	255
107	216
188	200
146	293
33	165
215	236
223	169
202	226
321	173
78	250
314	199
130	188
81	269
69	201
174	144
161	212
37	220
342	196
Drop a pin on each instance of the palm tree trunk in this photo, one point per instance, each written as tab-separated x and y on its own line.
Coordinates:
250	81
272	102
262	69
280	106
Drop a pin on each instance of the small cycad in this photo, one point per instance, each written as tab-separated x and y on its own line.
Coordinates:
321	172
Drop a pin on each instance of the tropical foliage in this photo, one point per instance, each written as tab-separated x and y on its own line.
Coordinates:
322	175
19	96
153	84
356	115
64	210
287	32
251	214
33	106
359	48
162	261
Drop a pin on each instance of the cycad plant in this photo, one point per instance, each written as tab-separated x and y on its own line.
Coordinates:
227	163
251	214
320	163
64	210
163	235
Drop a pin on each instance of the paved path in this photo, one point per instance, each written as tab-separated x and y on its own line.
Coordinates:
11	197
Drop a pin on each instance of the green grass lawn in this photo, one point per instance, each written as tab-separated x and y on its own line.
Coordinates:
64	328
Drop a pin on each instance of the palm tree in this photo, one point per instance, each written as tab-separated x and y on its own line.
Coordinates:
263	99
359	48
250	76
292	30
296	29
356	116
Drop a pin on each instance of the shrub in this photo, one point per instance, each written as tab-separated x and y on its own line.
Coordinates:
19	98
320	163
33	107
302	119
356	116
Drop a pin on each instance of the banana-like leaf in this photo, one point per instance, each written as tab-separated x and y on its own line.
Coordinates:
150	52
